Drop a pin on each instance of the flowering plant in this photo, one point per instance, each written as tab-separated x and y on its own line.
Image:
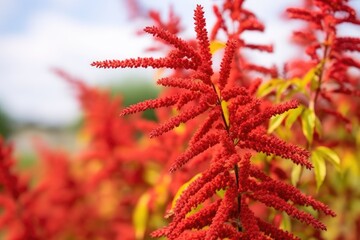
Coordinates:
216	165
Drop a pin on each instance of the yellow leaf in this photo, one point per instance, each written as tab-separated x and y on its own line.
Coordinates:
152	173
225	110
309	76
180	129
296	174
267	87
318	127
182	189
141	216
285	222
329	155
217	91
216	46
319	168
161	190
293	116
221	193
282	89
308	124
275	121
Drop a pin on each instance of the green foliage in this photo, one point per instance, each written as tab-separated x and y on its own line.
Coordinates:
134	91
6	127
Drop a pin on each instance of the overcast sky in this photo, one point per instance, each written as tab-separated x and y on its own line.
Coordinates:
36	35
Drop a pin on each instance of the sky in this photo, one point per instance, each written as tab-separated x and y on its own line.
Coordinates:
38	35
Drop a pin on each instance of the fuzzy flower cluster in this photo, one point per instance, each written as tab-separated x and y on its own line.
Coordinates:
333	54
233	130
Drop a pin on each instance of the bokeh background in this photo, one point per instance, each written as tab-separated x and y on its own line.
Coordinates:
38	35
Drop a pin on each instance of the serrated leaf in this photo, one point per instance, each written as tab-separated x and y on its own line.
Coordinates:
308	124
141	216
329	155
296	174
216	46
275	121
319	168
293	116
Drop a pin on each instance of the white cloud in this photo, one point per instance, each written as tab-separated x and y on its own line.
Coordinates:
27	86
30	91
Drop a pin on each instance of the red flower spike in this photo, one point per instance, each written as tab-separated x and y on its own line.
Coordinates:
274	232
270	145
288	192
173	23
236	120
304	14
249	222
188	84
244	172
151	104
328	51
279	204
218	182
206	142
181	118
257	173
258	119
203	43
220	23
225	65
236	92
265	70
225	209
200	219
264	48
215	169
186	98
213	116
147	62
173	40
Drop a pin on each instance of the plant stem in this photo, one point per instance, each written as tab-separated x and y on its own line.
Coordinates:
236	167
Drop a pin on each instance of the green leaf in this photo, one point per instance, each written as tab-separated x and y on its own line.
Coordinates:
275	121
296	174
141	216
319	168
293	116
308	124
329	155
